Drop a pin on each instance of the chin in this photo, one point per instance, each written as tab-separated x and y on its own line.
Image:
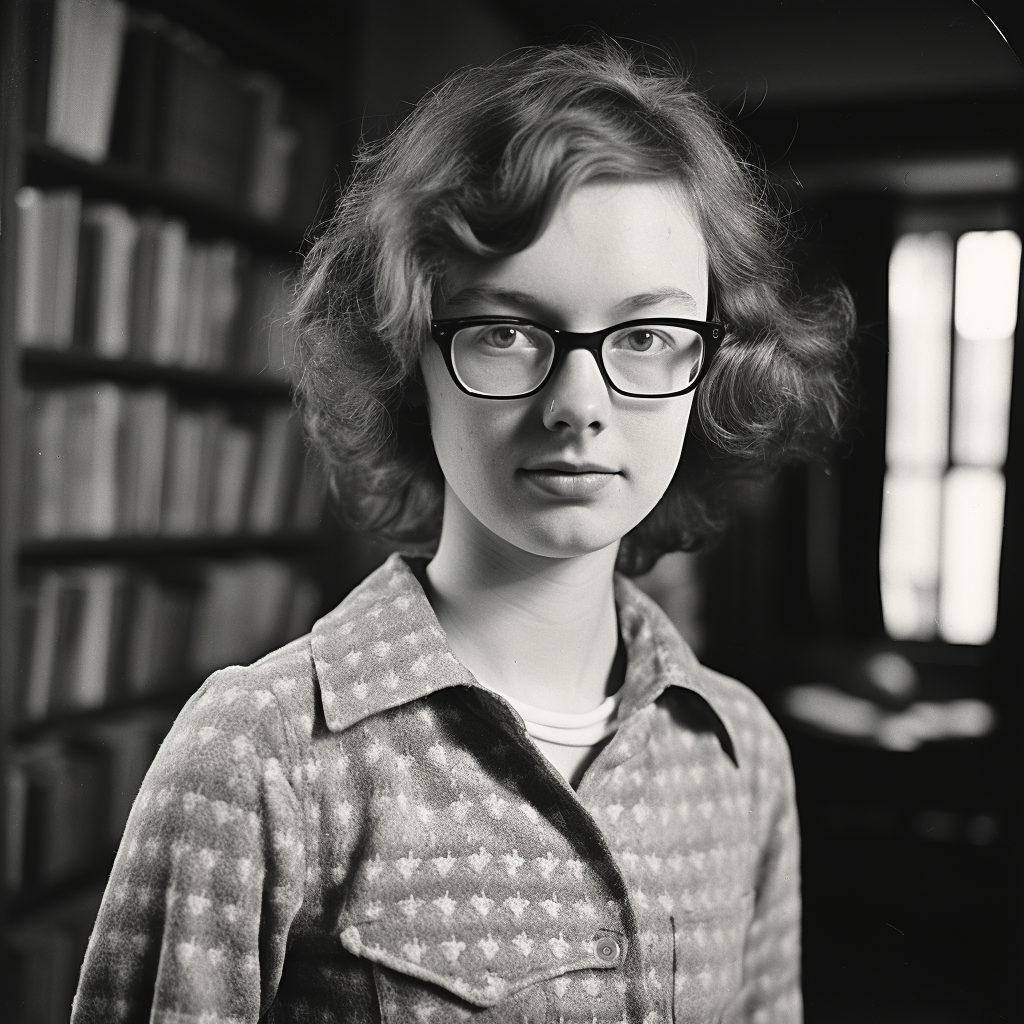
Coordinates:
568	534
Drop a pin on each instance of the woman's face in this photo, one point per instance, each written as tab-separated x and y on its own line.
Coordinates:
573	468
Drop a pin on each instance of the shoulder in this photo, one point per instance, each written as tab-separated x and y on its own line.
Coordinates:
246	720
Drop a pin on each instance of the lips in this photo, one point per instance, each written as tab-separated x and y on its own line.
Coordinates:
564	479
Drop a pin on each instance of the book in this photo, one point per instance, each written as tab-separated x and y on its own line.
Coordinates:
29	401
94	652
193	440
48	434
16	807
273	144
141	460
48	246
278	459
241	614
193	324
72	595
42	645
131	744
206	123
89	493
29	270
143	277
168	271
84	68
158	635
222	297
105	281
64	810
140	92
231	478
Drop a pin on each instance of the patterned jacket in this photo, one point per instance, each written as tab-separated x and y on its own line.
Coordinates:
352	829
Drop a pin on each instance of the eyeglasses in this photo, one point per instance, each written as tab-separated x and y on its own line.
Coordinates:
506	357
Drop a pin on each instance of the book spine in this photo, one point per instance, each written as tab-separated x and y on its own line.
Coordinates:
277	461
86	59
29	279
167	287
43	644
222	298
118	234
143	286
232	478
63	222
52	466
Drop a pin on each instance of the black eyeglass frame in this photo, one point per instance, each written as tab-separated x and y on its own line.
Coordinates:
444	331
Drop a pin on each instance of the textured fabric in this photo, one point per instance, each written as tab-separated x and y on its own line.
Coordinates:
353	830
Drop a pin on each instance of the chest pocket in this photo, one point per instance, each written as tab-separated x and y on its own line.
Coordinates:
484	978
708	959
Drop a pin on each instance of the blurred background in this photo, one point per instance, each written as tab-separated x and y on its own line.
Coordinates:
162	162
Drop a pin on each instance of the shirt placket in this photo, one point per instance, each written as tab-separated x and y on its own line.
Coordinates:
623	955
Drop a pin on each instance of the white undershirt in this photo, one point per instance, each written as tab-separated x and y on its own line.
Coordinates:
565	738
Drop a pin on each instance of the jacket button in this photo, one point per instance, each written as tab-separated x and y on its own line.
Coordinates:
607	949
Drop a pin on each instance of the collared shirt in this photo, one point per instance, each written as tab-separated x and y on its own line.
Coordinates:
352	829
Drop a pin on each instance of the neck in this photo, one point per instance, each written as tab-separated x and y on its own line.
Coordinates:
542	630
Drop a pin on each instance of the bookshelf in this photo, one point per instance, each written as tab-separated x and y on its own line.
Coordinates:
160	164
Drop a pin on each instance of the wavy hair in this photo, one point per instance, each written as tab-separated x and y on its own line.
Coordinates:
476	171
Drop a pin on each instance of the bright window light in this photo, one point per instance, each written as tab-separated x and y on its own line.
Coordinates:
920	317
972	530
982	373
987	273
909	554
942	524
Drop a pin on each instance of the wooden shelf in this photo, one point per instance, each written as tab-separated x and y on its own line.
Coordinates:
169	700
116	549
40	365
50	167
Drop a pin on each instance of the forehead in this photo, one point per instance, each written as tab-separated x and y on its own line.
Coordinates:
607	242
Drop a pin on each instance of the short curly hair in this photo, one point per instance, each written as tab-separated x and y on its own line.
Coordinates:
476	170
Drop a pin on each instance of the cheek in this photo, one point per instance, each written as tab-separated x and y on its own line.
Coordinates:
656	442
469	434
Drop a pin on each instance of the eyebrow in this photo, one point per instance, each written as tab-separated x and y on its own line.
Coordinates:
523	300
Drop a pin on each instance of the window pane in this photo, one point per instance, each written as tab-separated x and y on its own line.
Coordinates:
987	274
920	321
909	554
982	373
972	530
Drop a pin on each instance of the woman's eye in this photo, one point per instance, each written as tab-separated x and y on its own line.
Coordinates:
641	341
503	337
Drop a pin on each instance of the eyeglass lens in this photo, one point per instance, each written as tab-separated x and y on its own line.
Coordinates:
504	360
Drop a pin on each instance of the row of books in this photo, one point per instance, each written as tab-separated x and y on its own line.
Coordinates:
101	460
68	800
96	635
131	86
98	278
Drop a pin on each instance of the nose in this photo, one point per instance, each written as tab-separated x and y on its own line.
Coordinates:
577	397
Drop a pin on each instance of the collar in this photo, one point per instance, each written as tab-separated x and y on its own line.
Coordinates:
383	647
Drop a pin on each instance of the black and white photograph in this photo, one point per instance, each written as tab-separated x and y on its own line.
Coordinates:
511	512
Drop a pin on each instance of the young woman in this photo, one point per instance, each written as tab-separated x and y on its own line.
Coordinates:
494	783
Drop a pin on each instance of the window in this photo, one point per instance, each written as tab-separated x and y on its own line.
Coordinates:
952	316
